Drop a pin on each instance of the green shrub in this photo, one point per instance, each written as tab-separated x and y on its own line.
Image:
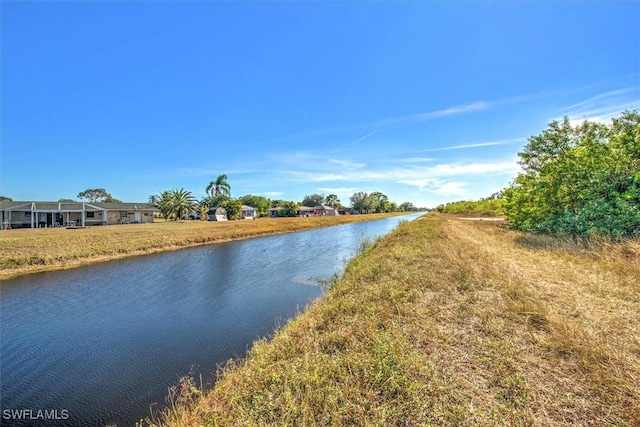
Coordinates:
582	180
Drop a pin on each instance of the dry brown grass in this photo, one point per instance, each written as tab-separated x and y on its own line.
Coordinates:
451	322
25	251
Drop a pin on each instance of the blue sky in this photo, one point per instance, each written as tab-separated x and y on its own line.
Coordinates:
428	102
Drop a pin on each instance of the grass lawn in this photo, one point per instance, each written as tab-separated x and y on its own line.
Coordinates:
448	322
25	251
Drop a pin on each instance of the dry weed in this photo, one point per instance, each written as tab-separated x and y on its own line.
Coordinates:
447	322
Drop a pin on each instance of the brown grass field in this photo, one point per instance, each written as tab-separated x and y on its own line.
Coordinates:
447	322
25	251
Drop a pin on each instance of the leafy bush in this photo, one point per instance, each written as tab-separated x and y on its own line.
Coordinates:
582	180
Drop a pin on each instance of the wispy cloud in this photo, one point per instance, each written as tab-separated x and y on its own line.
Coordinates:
475	145
604	106
451	111
472	107
273	193
431	115
415	175
417	160
439	187
378	125
362	138
347	163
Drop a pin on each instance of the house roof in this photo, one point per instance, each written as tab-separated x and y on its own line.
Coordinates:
71	206
215	209
248	208
127	206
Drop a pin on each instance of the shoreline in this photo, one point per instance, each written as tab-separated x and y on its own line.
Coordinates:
41	250
467	319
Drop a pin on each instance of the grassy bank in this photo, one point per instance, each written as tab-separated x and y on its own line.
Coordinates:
25	251
449	322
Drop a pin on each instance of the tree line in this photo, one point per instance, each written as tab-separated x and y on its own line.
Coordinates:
490	206
577	180
181	204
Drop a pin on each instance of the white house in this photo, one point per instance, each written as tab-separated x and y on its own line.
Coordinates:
247	212
57	214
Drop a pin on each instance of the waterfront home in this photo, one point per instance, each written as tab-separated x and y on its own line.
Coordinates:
247	212
342	210
324	210
319	210
307	211
273	212
30	214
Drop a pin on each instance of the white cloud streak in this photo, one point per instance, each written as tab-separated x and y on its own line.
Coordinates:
418	160
414	176
362	138
603	107
437	114
272	193
347	163
474	145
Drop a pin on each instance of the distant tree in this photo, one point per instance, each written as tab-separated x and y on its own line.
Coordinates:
97	195
5	199
332	200
215	201
379	202
93	194
175	204
111	199
289	209
233	208
360	201
162	201
65	200
261	204
407	207
219	187
312	200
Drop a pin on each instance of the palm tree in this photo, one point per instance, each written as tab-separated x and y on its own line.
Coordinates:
219	187
174	204
182	202
162	201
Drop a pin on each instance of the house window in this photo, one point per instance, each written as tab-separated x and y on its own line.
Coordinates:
27	214
90	214
123	214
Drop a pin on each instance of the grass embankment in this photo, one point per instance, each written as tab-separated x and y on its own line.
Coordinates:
449	322
25	251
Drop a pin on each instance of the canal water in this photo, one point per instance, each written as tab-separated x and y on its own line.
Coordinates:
100	345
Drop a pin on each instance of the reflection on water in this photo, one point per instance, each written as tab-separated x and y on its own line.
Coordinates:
103	342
